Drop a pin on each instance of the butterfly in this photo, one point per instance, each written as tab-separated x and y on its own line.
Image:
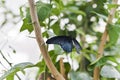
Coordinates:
67	43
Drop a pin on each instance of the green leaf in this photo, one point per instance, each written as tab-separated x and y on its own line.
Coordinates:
53	56
72	33
56	28
75	10
67	67
110	6
102	61
28	16
21	12
45	34
118	68
100	7
58	50
113	32
10	73
55	11
80	31
109	72
79	76
59	4
113	35
117	28
100	15
10	77
43	10
26	26
41	65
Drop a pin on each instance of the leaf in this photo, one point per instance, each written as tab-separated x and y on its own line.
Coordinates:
10	73
53	56
80	31
45	34
43	10
67	67
55	11
41	65
99	61
100	7
56	28
10	77
102	61
21	12
79	76
113	35
58	49
109	72
26	26
117	28
118	68
59	4
75	10
28	16
113	32
72	33
57	65
112	6
100	15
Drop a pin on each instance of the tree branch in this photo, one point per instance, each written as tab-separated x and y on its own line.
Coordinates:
103	41
62	68
37	29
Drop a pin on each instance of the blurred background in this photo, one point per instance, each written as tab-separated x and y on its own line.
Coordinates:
17	47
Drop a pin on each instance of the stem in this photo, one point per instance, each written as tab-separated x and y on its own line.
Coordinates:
40	41
62	68
96	74
6	59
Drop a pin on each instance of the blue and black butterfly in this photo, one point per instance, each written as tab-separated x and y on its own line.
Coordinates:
66	42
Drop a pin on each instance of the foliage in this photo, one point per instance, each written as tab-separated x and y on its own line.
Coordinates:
19	67
79	19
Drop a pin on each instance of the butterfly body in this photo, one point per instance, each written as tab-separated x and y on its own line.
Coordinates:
67	43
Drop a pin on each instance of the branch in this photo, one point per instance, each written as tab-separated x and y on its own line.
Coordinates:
62	68
40	41
103	41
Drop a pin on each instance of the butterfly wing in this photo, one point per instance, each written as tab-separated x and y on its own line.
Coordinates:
55	40
64	41
67	45
77	45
